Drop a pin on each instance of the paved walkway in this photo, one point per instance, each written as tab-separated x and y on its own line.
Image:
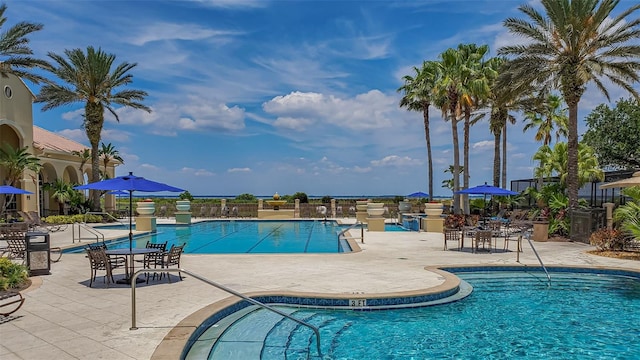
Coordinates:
63	318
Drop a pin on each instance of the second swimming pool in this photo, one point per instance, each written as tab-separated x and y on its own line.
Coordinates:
247	236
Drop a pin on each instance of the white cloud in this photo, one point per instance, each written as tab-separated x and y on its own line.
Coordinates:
196	172
235	170
371	110
394	160
483	145
78	135
162	31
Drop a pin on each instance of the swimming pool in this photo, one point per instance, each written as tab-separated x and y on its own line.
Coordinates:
508	315
247	236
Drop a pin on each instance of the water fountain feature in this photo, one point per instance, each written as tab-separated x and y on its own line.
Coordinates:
275	212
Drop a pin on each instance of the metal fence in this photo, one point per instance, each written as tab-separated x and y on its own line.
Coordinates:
585	222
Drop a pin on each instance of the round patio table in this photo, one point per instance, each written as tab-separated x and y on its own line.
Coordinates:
130	253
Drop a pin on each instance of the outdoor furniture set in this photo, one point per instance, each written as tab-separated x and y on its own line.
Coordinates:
155	256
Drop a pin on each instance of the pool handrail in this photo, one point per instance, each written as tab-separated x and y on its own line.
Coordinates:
93	231
134	277
528	237
358	223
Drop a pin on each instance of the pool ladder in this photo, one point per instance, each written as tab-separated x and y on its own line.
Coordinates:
221	287
528	237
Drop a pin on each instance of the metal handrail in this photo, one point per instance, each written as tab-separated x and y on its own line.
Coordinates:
102	213
528	237
221	287
93	231
358	223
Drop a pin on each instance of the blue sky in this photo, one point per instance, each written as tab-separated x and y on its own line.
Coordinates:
280	96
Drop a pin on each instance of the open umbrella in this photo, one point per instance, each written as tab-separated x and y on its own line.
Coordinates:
487	190
634	180
418	194
8	189
129	183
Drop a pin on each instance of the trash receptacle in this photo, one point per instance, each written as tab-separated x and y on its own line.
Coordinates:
38	253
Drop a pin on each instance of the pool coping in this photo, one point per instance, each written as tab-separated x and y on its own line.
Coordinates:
174	343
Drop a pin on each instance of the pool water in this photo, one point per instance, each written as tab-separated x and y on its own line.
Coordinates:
246	236
509	315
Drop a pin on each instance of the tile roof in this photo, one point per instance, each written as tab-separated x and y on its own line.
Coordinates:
46	140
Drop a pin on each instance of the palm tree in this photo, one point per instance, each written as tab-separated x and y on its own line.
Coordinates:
14	162
61	191
474	90
548	118
84	156
89	79
418	93
555	161
14	50
109	153
449	98
576	42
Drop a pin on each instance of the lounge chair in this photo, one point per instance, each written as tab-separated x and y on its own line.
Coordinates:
40	225
213	212
162	212
203	211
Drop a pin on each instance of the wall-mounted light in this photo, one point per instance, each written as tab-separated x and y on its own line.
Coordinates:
28	197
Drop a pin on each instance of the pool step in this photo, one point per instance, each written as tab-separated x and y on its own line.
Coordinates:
508	281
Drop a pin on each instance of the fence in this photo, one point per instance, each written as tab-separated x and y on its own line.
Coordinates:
585	222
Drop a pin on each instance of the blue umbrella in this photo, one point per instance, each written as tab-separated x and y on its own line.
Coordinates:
8	189
129	183
487	190
418	194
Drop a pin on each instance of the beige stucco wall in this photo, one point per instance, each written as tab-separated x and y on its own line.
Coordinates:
16	129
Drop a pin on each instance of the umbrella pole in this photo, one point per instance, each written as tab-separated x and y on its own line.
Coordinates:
130	220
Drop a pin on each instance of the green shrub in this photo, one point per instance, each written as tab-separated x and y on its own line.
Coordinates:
302	197
246	197
12	275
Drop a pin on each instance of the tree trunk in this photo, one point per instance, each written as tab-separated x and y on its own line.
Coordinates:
427	135
504	155
572	154
496	159
456	164
94	119
465	174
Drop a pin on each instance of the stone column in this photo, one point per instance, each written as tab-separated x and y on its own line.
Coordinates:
260	204
333	208
609	207
296	209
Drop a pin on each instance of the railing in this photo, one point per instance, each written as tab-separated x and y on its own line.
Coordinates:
102	213
342	232
528	236
93	231
221	287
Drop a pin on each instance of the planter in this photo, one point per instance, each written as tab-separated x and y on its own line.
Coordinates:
404	206
183	205
361	205
145	207
433	209
375	209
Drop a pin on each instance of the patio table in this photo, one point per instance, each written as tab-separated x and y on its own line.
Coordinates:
130	254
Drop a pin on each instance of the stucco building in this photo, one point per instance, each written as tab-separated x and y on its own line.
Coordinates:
55	152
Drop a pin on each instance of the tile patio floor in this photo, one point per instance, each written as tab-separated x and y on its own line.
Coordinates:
63	318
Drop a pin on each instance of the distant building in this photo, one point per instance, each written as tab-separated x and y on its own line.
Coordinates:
54	151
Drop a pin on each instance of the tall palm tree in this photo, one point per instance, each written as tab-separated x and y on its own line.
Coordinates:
15	53
574	43
549	118
418	94
449	97
108	153
474	90
90	79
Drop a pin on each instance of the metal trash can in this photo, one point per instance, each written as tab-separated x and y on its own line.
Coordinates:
38	253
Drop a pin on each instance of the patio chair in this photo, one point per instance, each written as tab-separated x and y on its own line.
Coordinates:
154	260
100	261
452	235
203	211
162	212
14	236
213	212
172	258
482	237
9	299
224	212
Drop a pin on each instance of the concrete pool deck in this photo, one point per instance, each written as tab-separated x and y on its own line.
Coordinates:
62	318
